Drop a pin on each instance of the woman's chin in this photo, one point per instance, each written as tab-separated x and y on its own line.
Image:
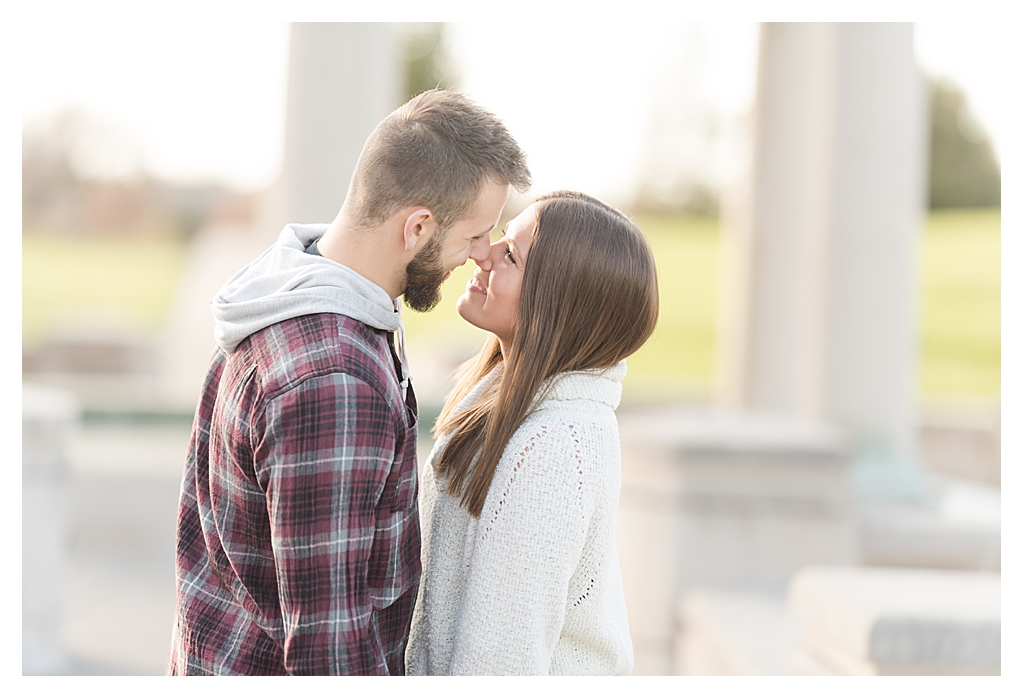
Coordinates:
463	306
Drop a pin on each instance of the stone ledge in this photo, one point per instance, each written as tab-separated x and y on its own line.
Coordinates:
735	465
958	527
701	432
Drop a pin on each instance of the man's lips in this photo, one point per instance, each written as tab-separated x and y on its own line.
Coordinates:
475	286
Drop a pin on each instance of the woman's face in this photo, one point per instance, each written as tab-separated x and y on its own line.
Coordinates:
491	298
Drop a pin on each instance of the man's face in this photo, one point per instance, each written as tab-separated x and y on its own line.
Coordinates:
491	298
447	249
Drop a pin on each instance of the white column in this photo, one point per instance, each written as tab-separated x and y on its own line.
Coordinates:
49	418
821	305
343	79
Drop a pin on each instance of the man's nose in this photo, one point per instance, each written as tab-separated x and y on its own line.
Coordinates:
481	255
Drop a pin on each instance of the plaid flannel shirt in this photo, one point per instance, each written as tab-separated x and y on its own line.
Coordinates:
298	531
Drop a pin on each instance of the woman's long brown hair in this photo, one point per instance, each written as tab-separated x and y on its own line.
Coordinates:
589	299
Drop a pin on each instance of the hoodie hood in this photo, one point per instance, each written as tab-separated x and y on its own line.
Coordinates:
286	282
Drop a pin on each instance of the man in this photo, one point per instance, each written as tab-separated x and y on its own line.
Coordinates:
298	530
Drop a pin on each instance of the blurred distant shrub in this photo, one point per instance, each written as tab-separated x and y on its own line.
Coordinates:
82	175
427	62
963	169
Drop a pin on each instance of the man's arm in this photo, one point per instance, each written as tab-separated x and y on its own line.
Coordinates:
327	451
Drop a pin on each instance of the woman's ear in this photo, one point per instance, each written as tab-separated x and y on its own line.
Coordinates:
419	225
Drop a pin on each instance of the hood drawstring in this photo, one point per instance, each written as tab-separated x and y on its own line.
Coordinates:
399	338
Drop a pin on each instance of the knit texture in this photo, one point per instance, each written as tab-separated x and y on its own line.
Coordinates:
533	586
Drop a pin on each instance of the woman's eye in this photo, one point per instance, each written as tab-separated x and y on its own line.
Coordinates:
509	255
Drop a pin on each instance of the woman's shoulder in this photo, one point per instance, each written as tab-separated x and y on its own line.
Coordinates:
560	425
565	453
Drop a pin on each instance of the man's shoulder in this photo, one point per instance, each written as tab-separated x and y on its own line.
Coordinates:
312	332
291	352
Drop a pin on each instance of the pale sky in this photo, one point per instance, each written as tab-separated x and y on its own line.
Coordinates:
579	101
205	100
202	100
975	56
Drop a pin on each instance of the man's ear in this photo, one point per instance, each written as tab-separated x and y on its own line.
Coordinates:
419	225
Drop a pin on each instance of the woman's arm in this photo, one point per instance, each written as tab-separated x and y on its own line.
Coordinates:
528	544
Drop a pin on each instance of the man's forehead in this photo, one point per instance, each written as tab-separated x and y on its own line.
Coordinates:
486	214
477	227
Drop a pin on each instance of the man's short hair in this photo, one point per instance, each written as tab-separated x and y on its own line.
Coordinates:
437	151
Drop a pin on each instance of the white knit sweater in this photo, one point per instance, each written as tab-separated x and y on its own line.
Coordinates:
533	586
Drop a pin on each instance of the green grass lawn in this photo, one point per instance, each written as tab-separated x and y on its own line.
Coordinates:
679	358
960	300
64	277
960	270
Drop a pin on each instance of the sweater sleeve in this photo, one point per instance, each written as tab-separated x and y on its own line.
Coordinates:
527	546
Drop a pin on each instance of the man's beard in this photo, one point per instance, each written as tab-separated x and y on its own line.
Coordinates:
424	275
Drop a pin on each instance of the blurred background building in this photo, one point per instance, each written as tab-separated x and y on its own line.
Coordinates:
811	439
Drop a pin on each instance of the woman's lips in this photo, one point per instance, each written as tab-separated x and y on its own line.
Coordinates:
475	286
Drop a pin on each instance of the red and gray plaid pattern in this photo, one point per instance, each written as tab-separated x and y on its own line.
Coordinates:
298	530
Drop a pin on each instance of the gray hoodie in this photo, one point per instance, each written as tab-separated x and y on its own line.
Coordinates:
286	282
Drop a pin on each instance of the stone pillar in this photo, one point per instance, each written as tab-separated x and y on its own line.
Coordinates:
717	501
343	79
820	316
49	417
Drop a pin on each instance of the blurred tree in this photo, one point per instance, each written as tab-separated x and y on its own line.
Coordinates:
48	175
963	168
427	62
81	174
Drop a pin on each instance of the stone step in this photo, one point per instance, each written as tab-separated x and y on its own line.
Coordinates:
729	633
892	621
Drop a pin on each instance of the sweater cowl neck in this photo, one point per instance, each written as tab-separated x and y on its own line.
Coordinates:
603	386
597	385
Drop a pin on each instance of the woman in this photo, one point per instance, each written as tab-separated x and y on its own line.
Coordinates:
518	497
